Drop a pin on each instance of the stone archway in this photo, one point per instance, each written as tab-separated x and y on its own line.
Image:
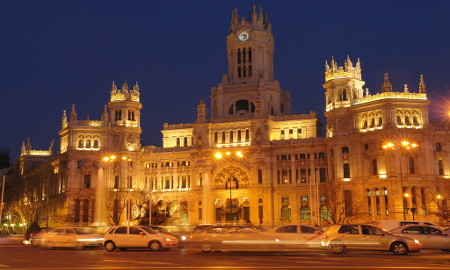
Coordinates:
231	172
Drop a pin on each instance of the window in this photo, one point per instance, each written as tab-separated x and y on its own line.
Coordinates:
80	164
345	150
77	210
87	181
440	167
399	119
247	135
135	230
215	137
349	229
411	166
200	179
88	143
346	170
121	230
116	181
223	136
178	142
250	71
80	143
239	136
380	121
185	141
303	177
85	210
239	56
231	136
287	229
260	176
95	143
305	213
324	212
374	167
438	147
370	230
249	54
323	175
286	212
239	72
244	71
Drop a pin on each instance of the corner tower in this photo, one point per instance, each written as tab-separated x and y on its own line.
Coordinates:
250	77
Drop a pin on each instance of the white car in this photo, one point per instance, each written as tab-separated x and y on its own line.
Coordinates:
75	237
125	237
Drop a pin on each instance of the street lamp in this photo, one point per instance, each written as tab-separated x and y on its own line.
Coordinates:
405	145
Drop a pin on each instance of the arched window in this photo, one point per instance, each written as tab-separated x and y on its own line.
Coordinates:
239	136
344	95
324	212
345	150
440	167
282	135
247	135
215	137
399	119
95	143
415	120
364	124
231	136
178	142
223	136
407	120
372	123
305	213
380	121
80	143
185	141
260	175
88	143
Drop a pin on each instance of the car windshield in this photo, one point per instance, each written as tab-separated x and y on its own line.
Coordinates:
162	230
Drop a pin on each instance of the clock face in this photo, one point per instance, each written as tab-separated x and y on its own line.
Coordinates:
243	36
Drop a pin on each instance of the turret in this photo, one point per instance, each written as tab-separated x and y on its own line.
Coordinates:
250	48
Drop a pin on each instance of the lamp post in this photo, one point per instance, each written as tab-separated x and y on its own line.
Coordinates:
404	145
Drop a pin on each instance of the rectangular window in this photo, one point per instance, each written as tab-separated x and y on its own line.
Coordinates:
323	175
346	170
284	176
374	167
411	166
239	72
87	181
200	213
303	176
440	167
80	164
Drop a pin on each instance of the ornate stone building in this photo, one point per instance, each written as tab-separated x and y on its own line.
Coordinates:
254	161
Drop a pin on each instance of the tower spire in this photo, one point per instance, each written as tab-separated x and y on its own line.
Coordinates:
422	88
73	113
387	86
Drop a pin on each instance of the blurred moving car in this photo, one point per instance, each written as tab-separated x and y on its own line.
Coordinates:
344	237
297	236
182	238
392	224
430	236
125	237
12	239
232	237
37	236
75	237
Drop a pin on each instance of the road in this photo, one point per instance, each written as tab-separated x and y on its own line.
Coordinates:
27	257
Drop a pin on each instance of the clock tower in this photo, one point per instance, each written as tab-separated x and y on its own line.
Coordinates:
250	48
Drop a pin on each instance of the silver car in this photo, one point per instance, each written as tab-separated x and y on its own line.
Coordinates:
297	236
430	236
344	237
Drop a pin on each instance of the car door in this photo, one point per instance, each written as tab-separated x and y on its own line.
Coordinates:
310	236
120	237
350	236
58	237
373	238
70	238
137	237
435	238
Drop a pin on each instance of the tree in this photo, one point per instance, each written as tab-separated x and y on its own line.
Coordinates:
341	204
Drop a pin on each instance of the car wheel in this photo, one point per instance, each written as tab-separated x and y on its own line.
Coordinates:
110	246
399	248
337	248
34	244
123	249
154	245
206	247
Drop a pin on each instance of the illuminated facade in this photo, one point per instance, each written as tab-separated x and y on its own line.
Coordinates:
252	159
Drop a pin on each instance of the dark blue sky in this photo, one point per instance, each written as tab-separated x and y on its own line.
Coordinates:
58	53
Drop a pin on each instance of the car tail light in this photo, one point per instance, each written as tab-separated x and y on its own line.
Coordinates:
191	237
325	235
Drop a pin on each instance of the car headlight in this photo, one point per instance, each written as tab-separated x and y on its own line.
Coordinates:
417	241
183	237
168	239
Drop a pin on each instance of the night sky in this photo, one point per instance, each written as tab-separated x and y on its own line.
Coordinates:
58	53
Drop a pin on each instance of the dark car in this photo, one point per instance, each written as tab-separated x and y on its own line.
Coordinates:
182	239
